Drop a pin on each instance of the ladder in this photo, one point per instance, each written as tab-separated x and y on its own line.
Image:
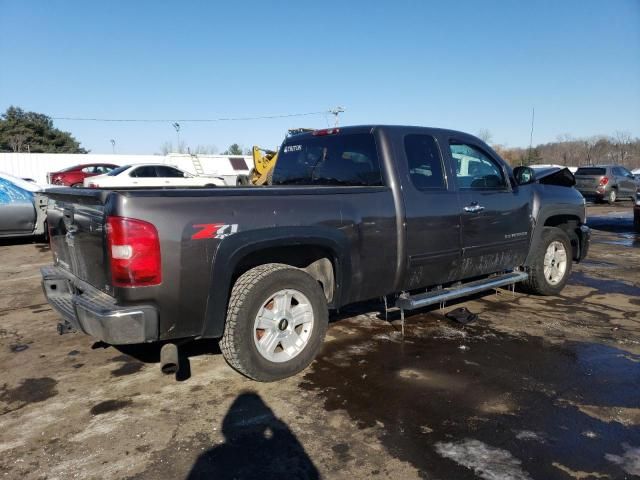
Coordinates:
197	165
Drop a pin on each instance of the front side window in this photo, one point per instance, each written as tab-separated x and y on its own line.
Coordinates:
343	160
424	161
169	172
143	172
476	170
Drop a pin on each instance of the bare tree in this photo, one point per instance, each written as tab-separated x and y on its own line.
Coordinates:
206	150
16	141
622	142
167	147
485	135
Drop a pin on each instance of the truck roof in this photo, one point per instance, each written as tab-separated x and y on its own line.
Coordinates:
372	127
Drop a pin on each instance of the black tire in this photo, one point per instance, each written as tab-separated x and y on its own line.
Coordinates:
537	282
77	185
249	294
612	196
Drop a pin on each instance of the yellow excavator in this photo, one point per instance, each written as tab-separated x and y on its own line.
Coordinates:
264	160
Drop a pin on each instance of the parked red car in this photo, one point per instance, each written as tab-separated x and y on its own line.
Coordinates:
74	176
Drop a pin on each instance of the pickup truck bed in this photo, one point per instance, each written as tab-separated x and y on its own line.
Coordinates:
353	214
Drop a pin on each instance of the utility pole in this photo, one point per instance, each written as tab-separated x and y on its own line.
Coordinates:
176	125
335	112
533	116
113	146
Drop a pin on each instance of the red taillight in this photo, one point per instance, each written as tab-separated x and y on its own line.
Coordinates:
134	252
604	181
325	131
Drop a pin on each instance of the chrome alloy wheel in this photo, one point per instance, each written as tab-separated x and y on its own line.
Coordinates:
283	325
555	263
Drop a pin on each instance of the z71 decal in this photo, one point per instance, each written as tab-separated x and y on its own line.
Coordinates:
213	230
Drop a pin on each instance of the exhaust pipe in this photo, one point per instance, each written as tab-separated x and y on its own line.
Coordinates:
169	358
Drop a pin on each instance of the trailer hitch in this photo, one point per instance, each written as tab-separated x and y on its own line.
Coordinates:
65	327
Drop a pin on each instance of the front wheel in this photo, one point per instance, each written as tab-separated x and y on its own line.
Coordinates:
276	322
551	264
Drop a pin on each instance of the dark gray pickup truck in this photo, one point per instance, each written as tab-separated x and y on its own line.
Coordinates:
415	215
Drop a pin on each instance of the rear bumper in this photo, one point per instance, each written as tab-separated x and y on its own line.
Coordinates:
87	309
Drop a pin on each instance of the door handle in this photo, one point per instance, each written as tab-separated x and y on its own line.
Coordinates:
473	208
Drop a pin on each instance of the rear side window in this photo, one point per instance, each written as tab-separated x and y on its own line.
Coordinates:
590	171
425	163
343	160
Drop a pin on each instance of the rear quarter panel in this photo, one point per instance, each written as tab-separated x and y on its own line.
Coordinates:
360	219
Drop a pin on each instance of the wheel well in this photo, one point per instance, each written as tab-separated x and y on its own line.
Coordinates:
570	225
316	261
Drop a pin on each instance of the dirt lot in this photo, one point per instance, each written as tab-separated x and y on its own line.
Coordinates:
538	388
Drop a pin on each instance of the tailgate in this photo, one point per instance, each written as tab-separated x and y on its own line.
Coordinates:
76	219
588	178
588	182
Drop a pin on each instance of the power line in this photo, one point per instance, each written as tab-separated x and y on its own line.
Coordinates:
187	120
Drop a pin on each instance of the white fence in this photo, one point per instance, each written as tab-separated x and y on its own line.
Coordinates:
36	165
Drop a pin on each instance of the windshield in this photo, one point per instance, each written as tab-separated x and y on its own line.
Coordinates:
344	160
23	184
118	171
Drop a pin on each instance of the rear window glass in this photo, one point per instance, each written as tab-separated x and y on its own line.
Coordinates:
425	164
590	171
344	160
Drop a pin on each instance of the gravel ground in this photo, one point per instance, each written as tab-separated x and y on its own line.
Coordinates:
537	387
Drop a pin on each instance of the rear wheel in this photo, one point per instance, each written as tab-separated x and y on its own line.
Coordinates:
276	322
77	185
612	197
551	264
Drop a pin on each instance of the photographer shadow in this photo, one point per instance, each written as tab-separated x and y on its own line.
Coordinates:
257	445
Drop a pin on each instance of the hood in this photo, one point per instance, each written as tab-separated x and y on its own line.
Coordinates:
561	176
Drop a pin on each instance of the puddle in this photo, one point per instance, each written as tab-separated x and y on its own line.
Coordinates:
430	401
109	406
127	369
604	285
31	390
18	347
129	366
598	264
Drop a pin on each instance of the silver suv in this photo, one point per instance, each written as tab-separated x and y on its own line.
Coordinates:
605	182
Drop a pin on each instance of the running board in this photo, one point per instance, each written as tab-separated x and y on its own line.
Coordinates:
439	296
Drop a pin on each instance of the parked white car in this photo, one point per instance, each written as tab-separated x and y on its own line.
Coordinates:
150	175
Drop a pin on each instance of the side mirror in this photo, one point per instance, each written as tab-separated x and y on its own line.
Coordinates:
524	175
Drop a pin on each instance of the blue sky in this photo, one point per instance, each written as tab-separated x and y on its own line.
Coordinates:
466	65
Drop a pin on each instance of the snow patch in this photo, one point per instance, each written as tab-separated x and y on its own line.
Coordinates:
629	461
486	461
